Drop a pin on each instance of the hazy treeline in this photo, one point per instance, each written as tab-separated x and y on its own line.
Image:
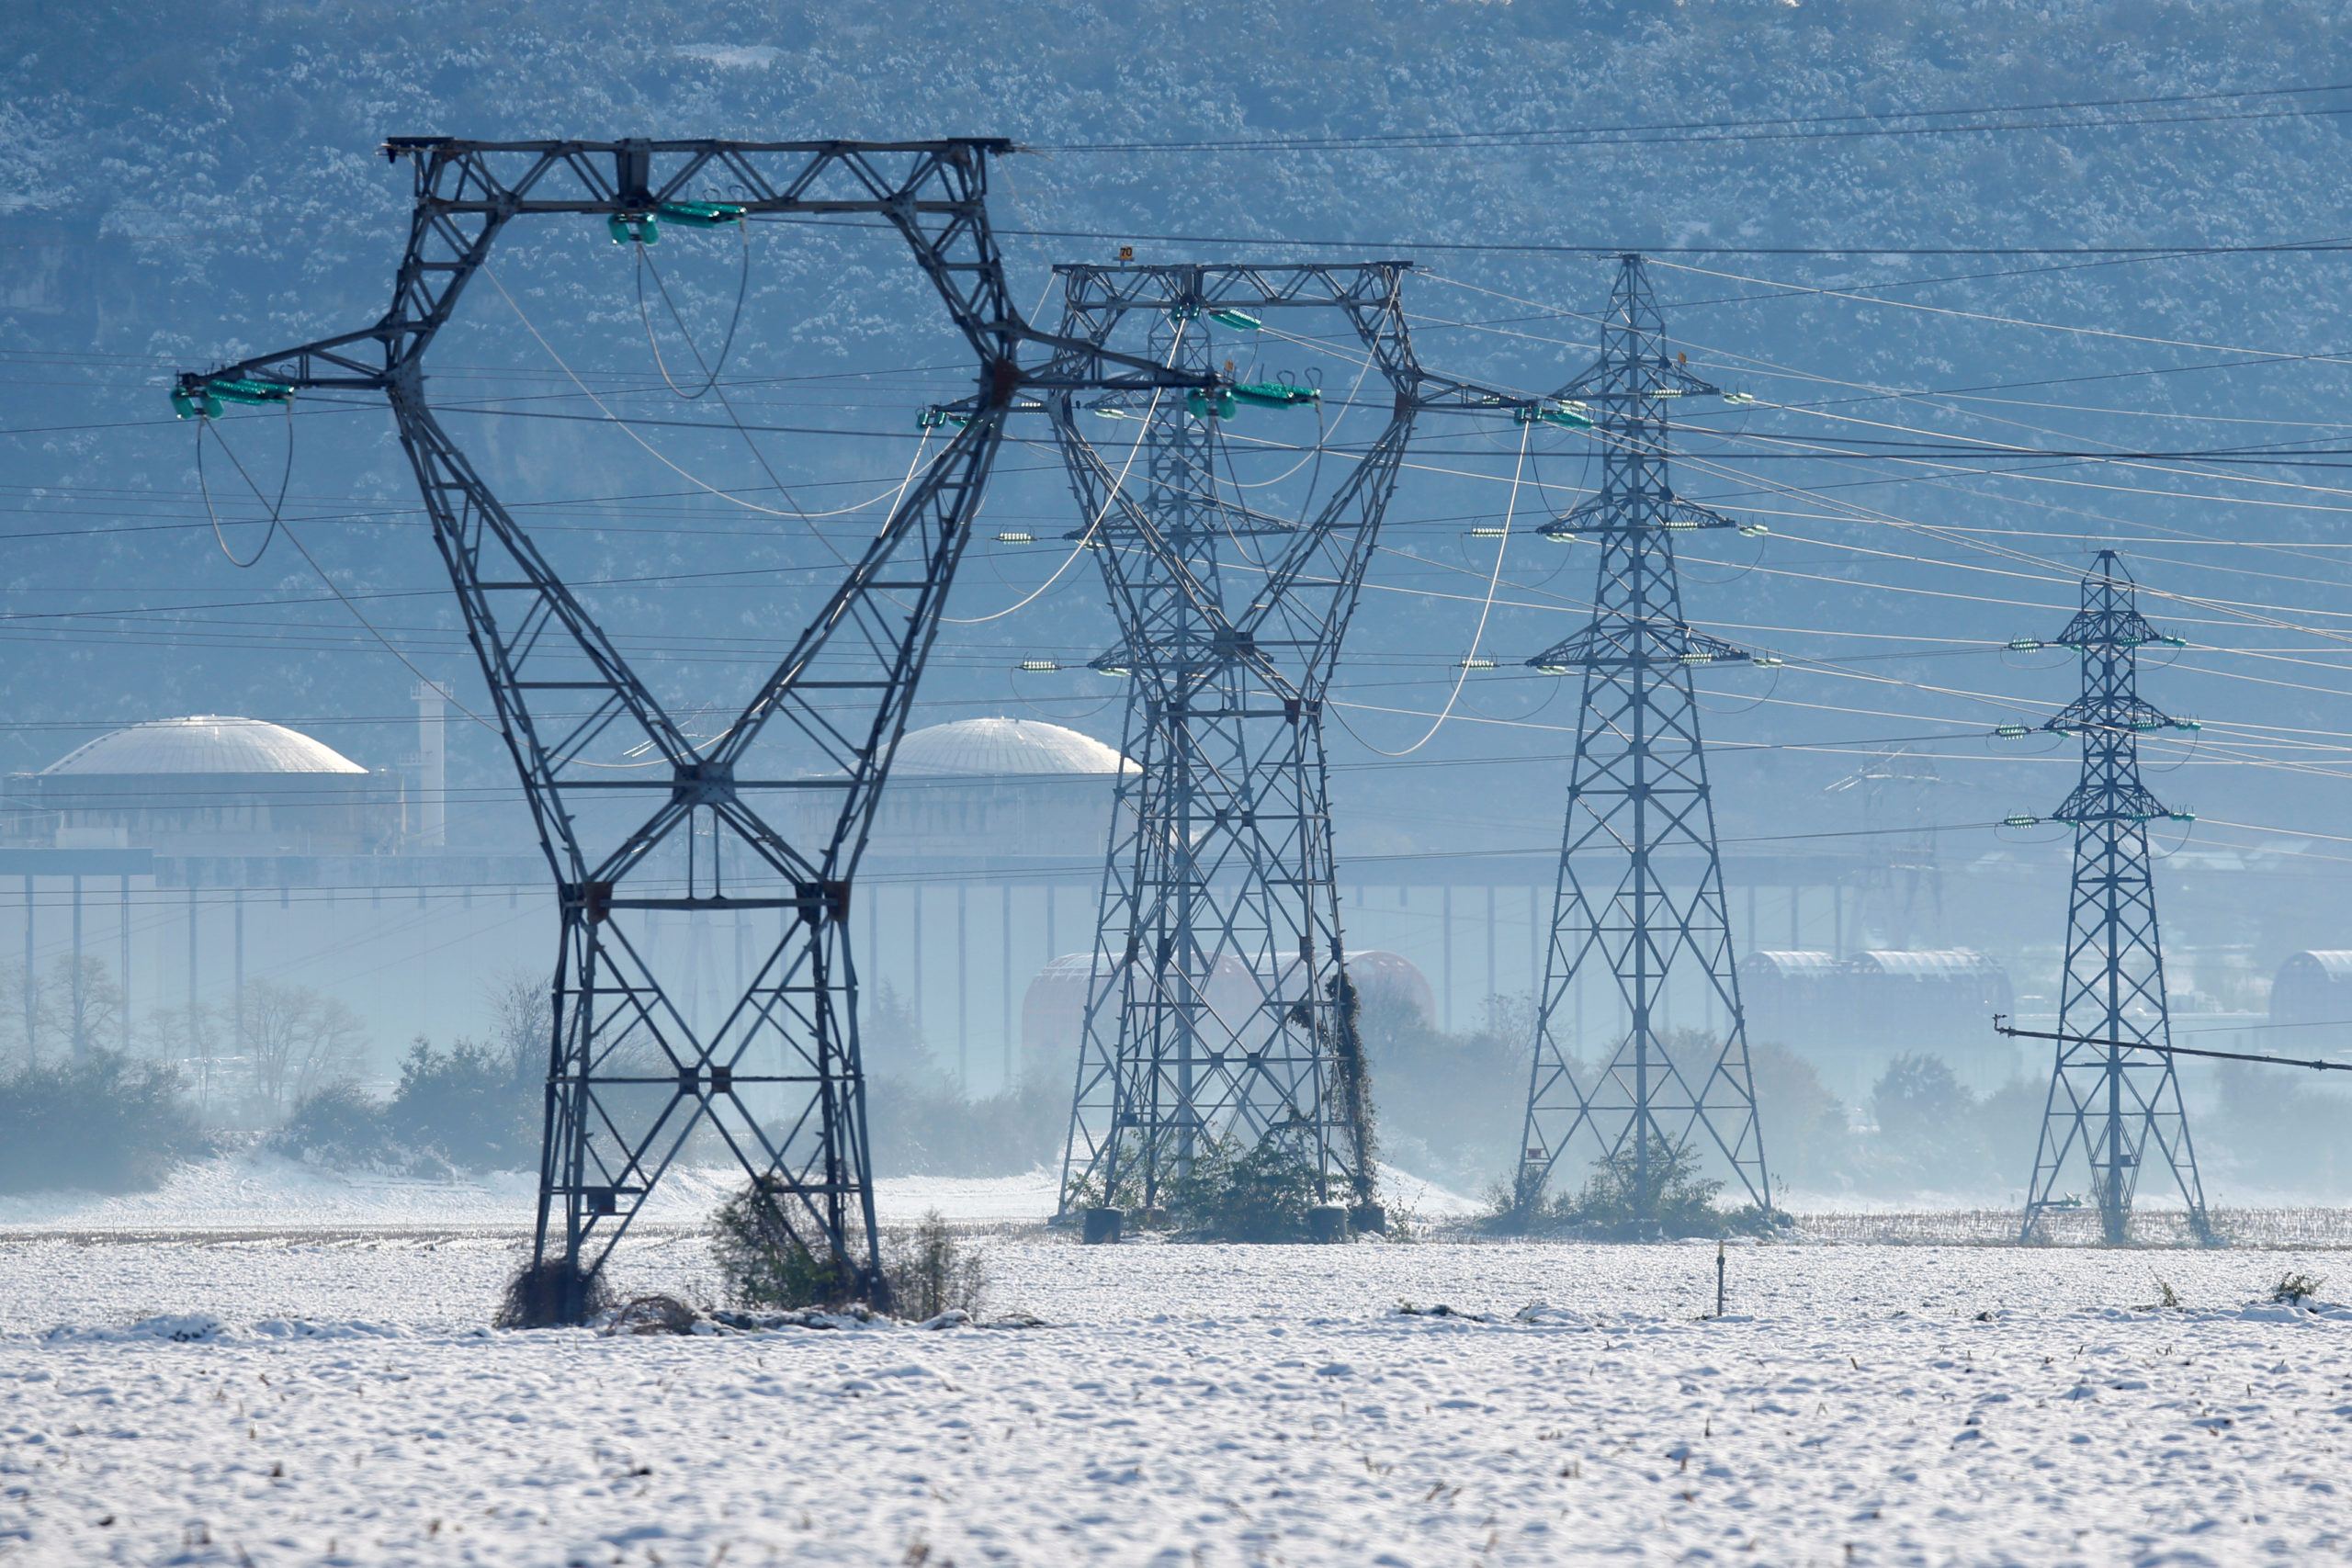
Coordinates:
87	1103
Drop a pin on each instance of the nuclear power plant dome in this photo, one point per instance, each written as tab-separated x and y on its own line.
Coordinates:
1003	748
208	784
205	743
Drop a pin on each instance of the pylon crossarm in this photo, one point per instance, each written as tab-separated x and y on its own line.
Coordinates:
1097	299
1607	383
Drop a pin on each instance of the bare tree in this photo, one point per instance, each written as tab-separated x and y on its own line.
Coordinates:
194	1039
521	1014
81	1004
21	1026
297	1042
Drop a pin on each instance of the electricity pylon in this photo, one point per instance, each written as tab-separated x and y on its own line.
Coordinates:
629	1079
2117	1107
1222	1007
1640	810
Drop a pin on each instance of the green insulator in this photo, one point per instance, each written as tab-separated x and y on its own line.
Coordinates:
1277	395
1741	399
250	392
701	214
2184	815
624	226
195	405
1202	405
2013	732
2186	724
1239	321
1568	416
933	418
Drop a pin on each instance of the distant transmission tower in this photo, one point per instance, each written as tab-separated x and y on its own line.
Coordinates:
1641	889
1222	1009
682	829
2119	1108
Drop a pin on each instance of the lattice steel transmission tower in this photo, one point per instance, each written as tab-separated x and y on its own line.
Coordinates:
2116	1107
1223	1008
629	1078
1640	897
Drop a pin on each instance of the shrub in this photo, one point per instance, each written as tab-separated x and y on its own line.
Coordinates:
2293	1290
468	1105
932	1272
100	1124
1258	1194
763	1262
338	1126
462	1107
544	1295
1681	1202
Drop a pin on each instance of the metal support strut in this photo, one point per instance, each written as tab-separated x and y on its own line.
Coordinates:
777	1078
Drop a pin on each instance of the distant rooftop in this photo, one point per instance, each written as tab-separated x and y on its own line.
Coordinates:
204	743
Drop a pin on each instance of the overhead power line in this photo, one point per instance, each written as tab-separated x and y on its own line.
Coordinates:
1795	128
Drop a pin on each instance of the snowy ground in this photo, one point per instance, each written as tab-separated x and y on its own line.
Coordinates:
338	1401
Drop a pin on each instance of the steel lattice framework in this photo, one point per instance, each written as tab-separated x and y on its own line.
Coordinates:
2115	1107
1223	1008
1637	796
778	1079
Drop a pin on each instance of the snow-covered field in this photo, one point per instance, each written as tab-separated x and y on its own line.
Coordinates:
334	1398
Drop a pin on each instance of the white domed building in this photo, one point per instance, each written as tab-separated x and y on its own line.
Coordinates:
993	789
212	784
986	859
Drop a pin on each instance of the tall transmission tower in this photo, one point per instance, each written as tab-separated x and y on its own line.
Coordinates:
1640	896
1223	1009
630	1079
2116	1108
